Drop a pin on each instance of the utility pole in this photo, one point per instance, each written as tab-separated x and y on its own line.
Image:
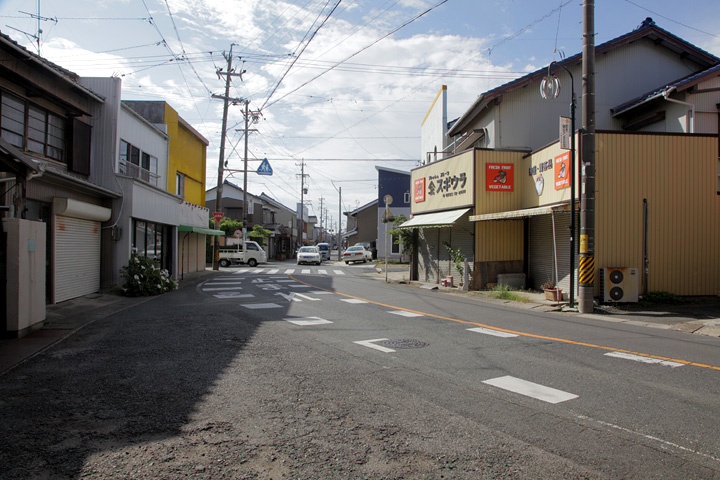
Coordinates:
302	200
339	237
322	232
586	278
221	162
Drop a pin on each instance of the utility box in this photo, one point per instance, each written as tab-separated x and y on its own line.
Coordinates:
513	280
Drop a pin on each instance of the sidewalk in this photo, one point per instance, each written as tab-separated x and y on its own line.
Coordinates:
700	318
67	317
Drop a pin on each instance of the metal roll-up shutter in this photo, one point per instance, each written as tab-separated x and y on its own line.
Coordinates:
542	262
77	257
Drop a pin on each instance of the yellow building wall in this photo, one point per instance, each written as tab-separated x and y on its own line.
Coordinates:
678	175
187	156
499	241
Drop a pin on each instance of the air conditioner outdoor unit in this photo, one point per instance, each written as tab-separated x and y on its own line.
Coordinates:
619	284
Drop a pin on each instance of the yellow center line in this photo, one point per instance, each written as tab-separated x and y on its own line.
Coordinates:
524	334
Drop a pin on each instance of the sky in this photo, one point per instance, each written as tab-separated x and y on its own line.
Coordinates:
339	85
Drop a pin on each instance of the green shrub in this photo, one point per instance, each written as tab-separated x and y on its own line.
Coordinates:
143	276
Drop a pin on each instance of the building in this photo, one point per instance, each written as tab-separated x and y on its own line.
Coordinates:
362	226
186	175
519	212
47	122
393	185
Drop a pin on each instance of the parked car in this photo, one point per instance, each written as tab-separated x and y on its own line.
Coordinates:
309	255
369	247
357	253
324	250
255	254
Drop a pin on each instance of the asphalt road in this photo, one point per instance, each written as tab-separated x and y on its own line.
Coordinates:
323	372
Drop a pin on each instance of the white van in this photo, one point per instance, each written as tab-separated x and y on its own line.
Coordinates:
254	255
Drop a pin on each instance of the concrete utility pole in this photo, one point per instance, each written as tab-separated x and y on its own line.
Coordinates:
322	232
586	278
221	162
339	235
302	201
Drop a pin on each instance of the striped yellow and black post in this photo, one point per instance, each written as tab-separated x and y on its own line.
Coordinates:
587	271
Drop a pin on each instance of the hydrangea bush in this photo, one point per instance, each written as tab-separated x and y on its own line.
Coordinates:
143	276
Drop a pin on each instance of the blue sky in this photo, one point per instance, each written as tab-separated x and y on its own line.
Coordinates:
328	87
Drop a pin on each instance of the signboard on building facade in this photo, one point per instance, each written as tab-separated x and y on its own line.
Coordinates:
562	170
444	185
499	177
565	133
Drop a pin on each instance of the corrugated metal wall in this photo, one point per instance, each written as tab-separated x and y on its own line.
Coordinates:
678	175
544	248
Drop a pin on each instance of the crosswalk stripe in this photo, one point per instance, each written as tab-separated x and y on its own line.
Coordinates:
530	389
221	288
640	358
339	272
404	313
496	333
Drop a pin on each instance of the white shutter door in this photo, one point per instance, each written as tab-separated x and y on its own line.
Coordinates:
77	257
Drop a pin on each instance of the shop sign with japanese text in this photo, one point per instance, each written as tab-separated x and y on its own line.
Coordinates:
562	171
444	184
500	177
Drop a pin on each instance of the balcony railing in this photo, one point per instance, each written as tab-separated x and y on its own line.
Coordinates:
135	171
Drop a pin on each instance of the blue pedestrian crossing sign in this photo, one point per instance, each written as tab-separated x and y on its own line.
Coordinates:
265	168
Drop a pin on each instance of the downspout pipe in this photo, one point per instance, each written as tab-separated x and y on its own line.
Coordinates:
666	96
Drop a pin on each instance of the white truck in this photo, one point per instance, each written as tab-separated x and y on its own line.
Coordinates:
254	255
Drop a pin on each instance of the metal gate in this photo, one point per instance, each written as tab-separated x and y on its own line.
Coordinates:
76	258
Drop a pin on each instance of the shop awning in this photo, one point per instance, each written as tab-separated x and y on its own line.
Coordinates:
435	220
526	212
204	231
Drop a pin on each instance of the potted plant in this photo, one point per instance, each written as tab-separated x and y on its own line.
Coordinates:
552	291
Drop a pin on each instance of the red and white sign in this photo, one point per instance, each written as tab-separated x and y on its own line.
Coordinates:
563	171
500	177
218	216
419	195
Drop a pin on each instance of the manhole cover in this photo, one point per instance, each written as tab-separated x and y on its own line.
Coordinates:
403	343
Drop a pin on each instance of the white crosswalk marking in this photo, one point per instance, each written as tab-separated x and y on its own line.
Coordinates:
339	272
322	271
496	333
352	300
304	322
290	271
221	288
233	295
273	271
260	306
530	389
405	313
371	344
640	358
305	270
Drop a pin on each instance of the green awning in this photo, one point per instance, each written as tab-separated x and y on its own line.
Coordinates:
204	231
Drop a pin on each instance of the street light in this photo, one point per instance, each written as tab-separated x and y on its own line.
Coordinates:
549	89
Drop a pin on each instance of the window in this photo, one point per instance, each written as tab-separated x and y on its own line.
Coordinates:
395	248
13	119
406	197
153	240
45	131
180	184
138	164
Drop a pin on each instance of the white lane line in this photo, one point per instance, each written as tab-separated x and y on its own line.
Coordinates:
352	300
299	286
321	292
370	344
640	358
404	313
495	333
304	322
221	288
339	272
214	284
322	271
287	281
530	389
260	306
290	271
233	295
